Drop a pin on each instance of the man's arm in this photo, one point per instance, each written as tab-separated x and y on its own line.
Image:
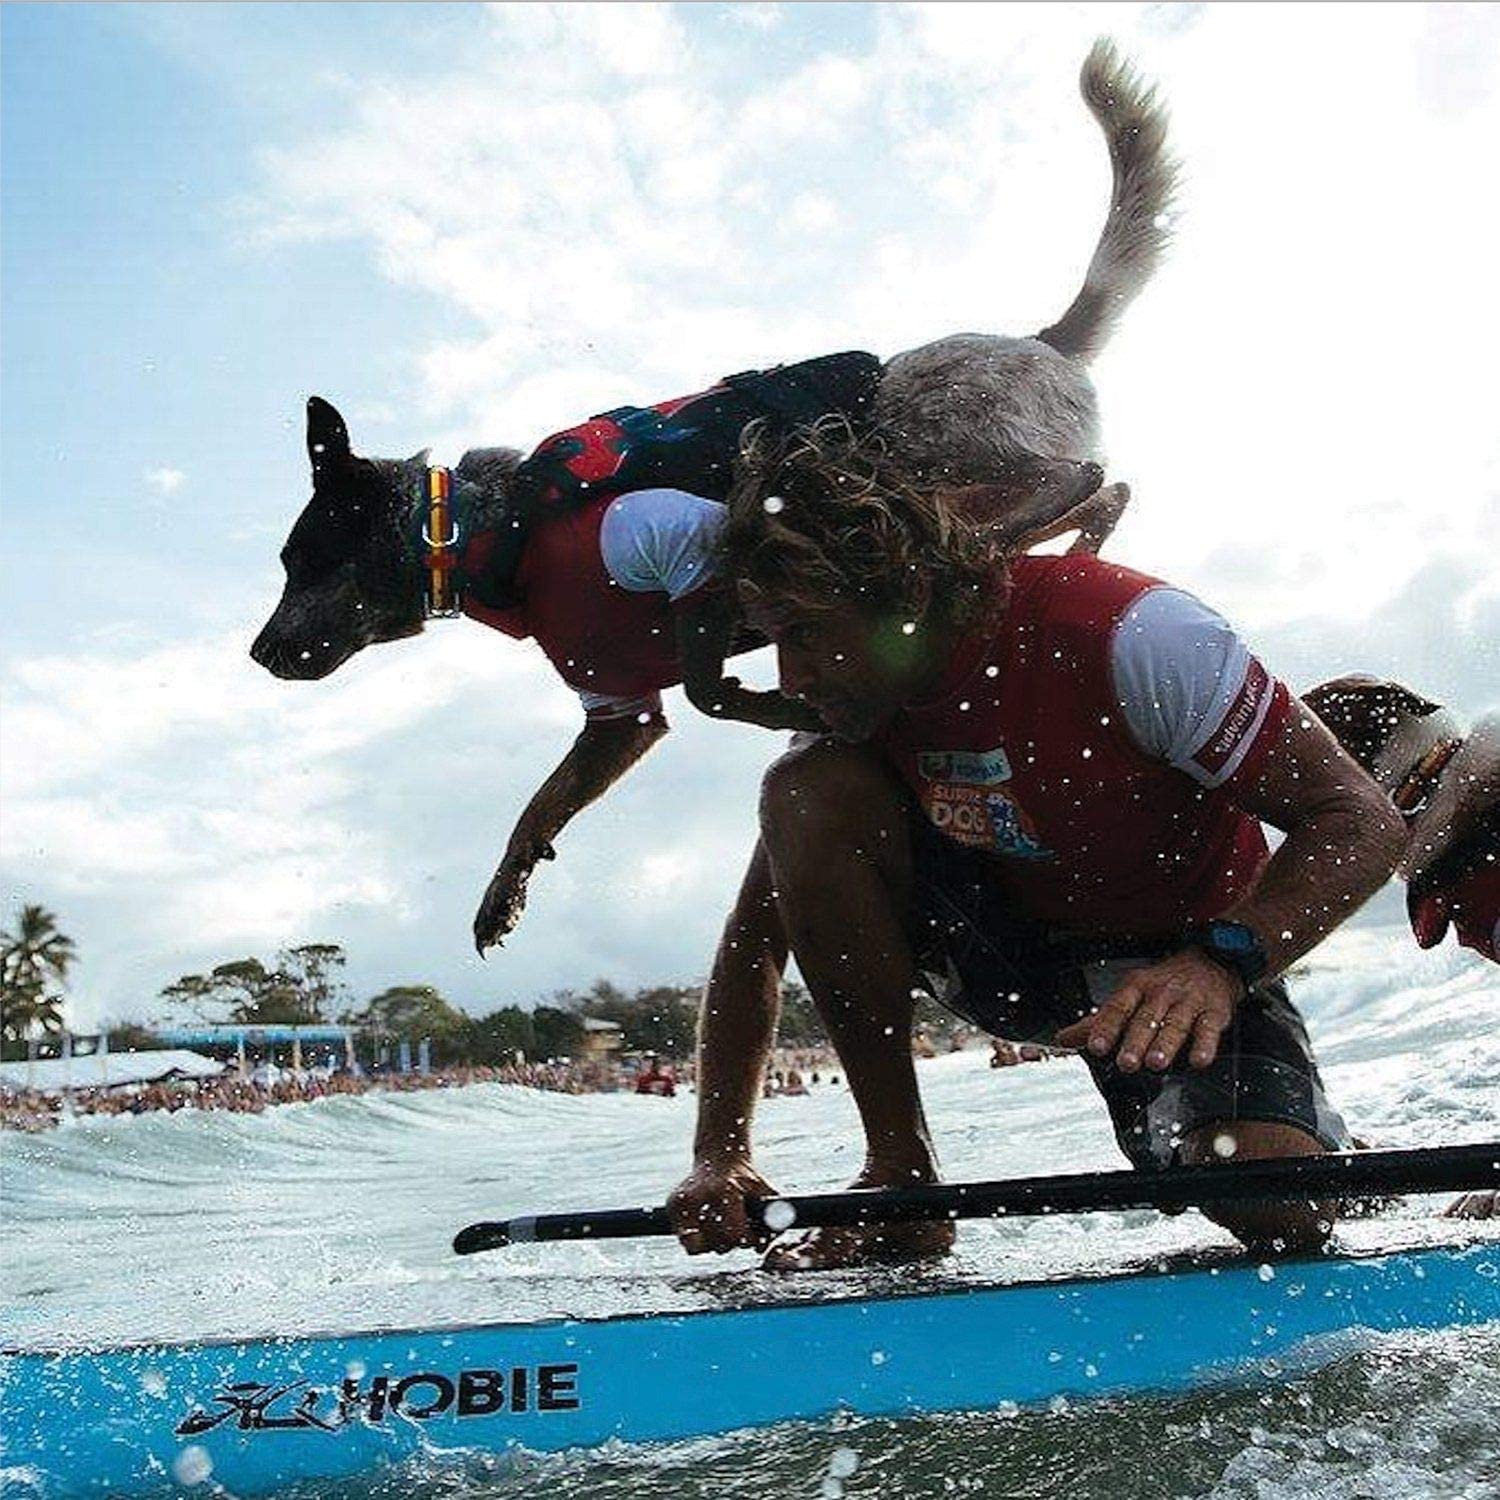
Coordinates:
601	754
706	623
1343	839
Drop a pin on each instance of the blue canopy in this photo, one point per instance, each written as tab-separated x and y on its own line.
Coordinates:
251	1036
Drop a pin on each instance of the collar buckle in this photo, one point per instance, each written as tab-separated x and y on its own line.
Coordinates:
440	536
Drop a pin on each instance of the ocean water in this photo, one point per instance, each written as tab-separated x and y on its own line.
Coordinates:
339	1214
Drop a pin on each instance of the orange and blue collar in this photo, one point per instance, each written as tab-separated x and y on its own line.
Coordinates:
441	541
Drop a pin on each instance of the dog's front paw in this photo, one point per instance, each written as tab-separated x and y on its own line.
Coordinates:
501	908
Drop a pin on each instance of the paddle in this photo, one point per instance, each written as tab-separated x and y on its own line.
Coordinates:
1437	1169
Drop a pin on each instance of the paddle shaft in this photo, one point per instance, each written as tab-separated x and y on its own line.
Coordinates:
1437	1169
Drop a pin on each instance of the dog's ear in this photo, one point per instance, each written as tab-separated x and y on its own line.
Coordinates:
327	437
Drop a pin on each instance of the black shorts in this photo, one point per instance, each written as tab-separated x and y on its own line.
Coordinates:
1025	982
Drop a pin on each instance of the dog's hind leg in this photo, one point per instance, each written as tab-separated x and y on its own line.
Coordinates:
1096	518
1040	493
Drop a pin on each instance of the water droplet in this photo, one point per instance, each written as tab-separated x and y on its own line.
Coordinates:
192	1465
1267	1273
154	1383
779	1215
842	1462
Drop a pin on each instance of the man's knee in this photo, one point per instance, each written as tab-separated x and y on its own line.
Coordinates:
827	791
754	934
1271	1226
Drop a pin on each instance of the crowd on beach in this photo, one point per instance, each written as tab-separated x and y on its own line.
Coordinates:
791	1072
32	1110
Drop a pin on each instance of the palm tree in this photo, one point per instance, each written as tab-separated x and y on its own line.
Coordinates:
35	955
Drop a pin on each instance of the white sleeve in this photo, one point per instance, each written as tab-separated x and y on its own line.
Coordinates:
660	541
599	706
1191	692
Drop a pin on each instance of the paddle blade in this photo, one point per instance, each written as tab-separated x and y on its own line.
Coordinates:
476	1237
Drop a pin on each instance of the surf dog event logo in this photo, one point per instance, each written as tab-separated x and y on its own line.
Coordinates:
962	795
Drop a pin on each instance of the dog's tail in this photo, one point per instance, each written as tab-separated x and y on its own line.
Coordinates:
1135	234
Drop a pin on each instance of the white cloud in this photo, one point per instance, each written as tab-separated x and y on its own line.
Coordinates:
621	204
755	15
1312	349
811	213
165	480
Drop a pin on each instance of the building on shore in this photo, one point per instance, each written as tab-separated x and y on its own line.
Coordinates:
600	1042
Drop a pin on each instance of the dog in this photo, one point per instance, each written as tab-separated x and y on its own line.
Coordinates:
966	410
1444	779
384	545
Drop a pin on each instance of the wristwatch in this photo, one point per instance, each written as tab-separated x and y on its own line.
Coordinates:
1232	946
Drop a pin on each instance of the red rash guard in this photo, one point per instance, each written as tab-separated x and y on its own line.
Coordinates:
1038	749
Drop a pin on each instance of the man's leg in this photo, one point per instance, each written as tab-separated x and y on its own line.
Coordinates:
1261	1097
1274	1227
835	826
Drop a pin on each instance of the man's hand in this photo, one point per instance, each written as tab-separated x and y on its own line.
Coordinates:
505	899
1156	1010
708	1207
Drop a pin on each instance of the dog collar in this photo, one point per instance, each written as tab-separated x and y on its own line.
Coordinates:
440	538
1410	742
1412	794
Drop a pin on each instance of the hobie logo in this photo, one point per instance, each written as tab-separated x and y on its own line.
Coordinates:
262	1406
965	767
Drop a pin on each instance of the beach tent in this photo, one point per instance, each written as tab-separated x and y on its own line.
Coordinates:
52	1075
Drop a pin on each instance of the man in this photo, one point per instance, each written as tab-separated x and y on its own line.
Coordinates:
1444	780
1044	790
656	1079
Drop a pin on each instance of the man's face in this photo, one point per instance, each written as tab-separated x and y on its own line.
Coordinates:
853	667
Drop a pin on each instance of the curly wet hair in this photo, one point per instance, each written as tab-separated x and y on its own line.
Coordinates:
824	517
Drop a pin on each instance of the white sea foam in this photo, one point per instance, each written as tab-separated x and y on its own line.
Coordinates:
339	1214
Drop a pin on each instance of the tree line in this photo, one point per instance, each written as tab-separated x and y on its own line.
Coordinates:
304	986
35	960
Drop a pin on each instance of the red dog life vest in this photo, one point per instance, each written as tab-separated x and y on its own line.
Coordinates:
600	638
545	577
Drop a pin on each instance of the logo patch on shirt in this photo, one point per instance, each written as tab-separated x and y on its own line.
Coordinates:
982	819
1225	747
965	767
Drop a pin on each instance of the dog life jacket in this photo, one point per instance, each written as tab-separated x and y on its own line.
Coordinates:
1091	742
539	571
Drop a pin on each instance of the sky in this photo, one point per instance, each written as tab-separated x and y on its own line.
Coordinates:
470	225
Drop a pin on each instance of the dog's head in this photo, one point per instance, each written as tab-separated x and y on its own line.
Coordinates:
353	577
1386	727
